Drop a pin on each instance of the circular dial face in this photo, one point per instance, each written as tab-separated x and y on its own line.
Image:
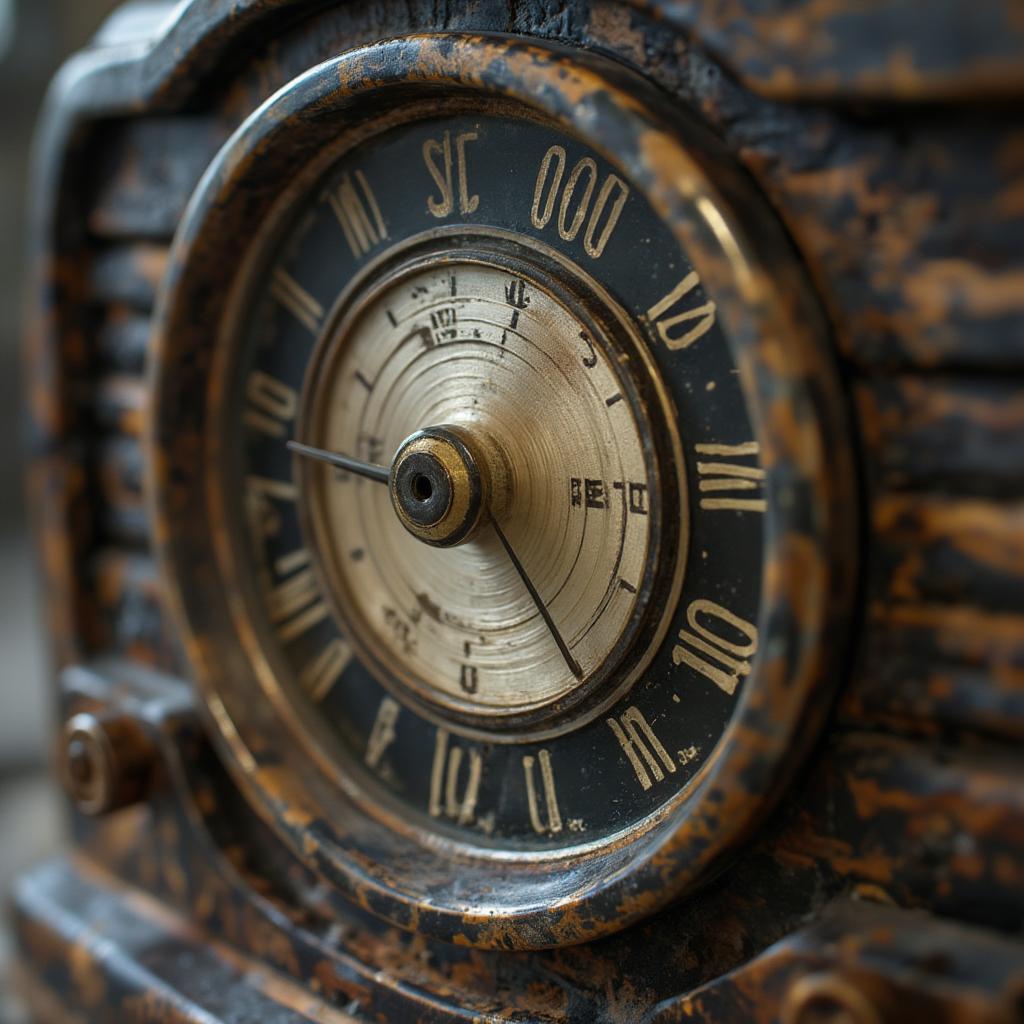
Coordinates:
477	346
566	668
510	553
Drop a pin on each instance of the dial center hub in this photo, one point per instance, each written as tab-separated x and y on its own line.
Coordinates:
441	485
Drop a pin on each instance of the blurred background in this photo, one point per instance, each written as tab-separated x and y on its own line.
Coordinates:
35	36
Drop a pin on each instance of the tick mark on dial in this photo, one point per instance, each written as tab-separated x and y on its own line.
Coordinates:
617	397
391	318
362	380
627	586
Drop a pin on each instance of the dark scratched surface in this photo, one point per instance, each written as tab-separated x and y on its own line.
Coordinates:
909	216
41	33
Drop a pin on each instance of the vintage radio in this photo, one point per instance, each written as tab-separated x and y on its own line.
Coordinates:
530	504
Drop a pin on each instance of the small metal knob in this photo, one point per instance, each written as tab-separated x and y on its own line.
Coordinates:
106	761
828	998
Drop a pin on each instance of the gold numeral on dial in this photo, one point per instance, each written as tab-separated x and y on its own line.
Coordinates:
382	735
554	817
728	473
320	675
296	605
264	518
294	560
297	300
443	176
445	798
267	487
644	750
271	404
601	216
677	324
355	206
702	647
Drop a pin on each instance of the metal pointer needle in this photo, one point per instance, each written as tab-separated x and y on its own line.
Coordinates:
383	475
573	664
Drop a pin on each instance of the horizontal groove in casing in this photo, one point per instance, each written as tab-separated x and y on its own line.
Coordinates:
942	434
938	549
120	473
147	169
929	825
122	340
126	592
128	274
120	404
927	670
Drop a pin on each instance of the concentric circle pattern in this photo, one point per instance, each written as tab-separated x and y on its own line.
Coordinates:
436	348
